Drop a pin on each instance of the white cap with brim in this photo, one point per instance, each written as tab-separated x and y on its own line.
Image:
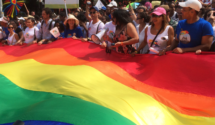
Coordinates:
71	17
194	4
21	18
3	20
29	16
112	4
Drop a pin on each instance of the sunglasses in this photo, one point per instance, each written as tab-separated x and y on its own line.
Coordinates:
210	14
10	27
93	12
155	15
139	18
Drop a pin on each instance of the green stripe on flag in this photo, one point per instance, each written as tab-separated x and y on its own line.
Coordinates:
20	104
61	6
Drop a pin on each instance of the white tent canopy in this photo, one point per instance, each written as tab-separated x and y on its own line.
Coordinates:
59	4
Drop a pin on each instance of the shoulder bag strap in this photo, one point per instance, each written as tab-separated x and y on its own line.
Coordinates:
50	25
155	37
13	37
98	28
42	24
89	24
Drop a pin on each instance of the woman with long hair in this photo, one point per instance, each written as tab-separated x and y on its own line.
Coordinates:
143	20
159	35
72	28
31	33
210	17
18	30
125	36
12	37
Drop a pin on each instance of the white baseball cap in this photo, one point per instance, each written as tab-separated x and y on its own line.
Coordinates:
194	4
112	4
21	18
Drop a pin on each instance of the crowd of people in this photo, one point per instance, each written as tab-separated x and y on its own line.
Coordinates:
179	27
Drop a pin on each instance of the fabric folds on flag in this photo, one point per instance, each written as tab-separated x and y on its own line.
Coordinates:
78	83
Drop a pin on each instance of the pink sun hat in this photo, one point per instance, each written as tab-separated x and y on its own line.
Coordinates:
159	11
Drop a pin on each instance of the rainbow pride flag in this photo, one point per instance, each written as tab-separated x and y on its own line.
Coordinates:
71	82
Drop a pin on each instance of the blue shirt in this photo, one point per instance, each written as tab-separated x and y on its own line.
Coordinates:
70	33
44	32
190	35
5	30
61	35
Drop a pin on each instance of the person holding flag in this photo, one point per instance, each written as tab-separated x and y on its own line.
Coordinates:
46	25
95	25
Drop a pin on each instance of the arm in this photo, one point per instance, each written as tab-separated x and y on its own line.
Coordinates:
87	13
170	47
41	41
171	44
21	34
131	11
131	31
79	33
16	37
20	40
51	40
85	27
206	41
205	45
144	43
170	36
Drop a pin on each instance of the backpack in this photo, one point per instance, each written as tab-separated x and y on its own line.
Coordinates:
50	25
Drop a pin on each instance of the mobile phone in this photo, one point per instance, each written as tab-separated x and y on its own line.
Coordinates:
112	44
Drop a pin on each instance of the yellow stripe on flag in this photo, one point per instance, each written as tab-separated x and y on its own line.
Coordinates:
89	84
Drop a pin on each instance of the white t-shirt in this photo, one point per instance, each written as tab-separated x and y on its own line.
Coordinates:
141	39
111	31
29	34
92	28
